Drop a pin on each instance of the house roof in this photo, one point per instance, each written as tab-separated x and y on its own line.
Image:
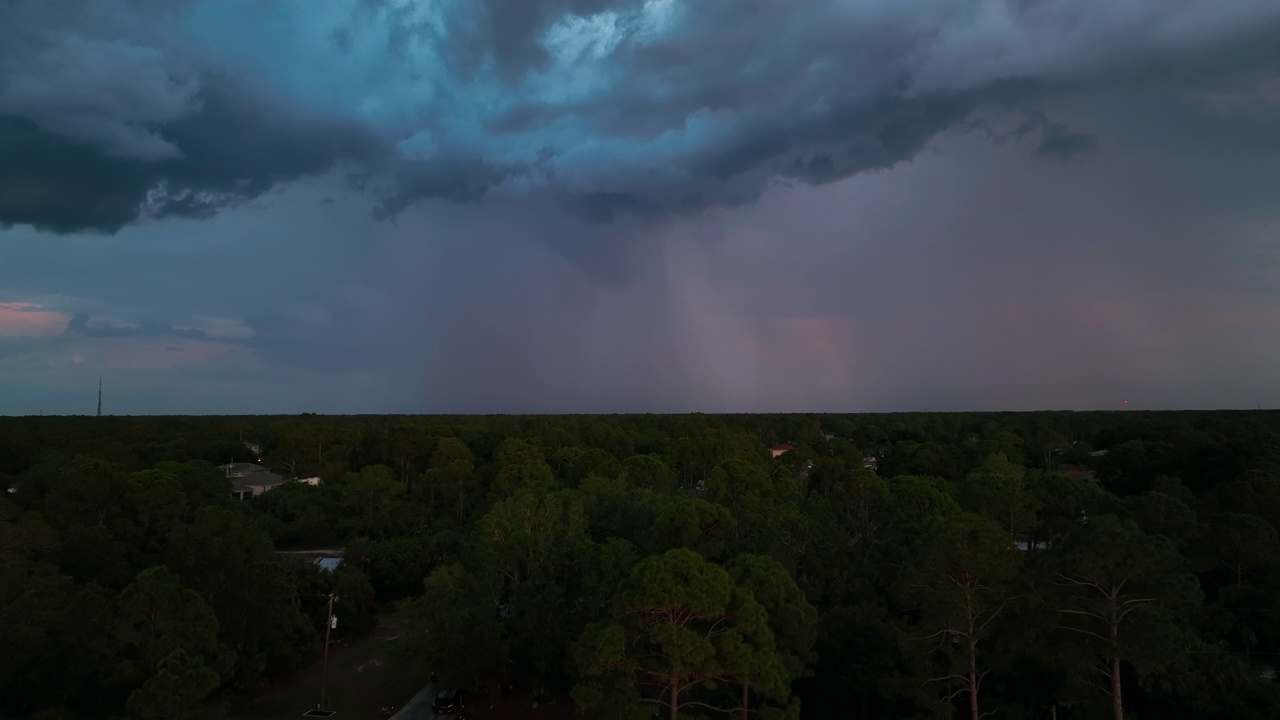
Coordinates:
255	479
783	447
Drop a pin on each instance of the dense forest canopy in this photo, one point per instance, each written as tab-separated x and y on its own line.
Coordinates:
1034	565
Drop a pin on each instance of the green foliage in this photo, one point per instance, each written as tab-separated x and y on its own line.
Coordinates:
157	616
616	510
223	556
1255	492
1157	513
23	535
603	572
296	514
574	464
997	490
792	622
1242	544
918	500
657	562
175	690
355	596
369	495
681	627
695	524
607	689
395	566
735	479
861	667
531	476
861	500
792	619
1125	594
532	536
451	482
56	638
454	628
648	472
964	583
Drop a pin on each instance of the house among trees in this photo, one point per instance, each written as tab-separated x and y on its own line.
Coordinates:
780	449
248	480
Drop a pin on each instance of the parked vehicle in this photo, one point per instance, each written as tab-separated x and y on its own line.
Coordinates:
448	702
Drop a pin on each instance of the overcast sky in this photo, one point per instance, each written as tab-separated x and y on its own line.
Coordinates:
235	206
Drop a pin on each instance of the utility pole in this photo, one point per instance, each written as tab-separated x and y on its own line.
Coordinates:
329	625
99	396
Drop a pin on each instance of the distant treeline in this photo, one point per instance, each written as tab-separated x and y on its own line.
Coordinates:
925	565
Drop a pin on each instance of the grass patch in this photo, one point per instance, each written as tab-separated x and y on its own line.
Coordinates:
363	679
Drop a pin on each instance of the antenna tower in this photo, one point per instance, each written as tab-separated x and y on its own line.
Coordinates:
99	396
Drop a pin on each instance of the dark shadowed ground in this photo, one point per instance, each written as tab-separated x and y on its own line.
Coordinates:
362	681
514	710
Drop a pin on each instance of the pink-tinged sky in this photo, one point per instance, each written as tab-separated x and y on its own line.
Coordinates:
22	319
918	205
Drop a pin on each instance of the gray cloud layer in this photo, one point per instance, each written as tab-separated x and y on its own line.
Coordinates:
81	324
102	122
111	112
231	151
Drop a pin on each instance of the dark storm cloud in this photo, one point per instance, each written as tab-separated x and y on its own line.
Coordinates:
505	32
843	140
1058	141
115	110
730	96
74	70
102	123
509	31
1064	145
233	149
454	179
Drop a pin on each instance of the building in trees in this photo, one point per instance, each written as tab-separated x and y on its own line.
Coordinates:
249	480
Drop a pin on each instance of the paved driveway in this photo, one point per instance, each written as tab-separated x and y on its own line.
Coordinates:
418	707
